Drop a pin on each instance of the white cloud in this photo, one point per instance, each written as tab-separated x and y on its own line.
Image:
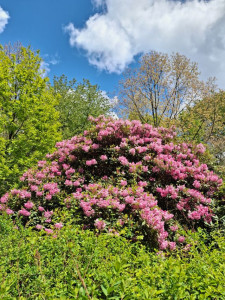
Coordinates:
98	3
47	62
4	16
126	28
44	68
112	101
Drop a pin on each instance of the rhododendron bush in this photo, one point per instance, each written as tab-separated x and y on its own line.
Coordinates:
120	175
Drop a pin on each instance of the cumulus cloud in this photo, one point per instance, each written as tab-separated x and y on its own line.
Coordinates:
44	68
98	3
195	28
4	17
49	60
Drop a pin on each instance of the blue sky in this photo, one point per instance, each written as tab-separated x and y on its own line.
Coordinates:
41	25
98	39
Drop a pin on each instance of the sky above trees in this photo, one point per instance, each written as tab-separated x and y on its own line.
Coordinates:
98	39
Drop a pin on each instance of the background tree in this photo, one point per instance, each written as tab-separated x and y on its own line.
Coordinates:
205	122
29	124
77	101
160	87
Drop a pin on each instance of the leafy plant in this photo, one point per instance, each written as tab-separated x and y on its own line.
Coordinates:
120	177
29	126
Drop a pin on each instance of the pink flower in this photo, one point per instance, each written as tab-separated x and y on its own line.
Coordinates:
174	228
103	157
172	245
58	225
29	205
49	231
123	160
123	182
86	148
100	224
163	245
48	197
200	148
9	211
95	146
48	214
91	162
121	222
39	193
197	184
68	182
34	188
38	226
4	198
132	151
24	212
181	239
40	208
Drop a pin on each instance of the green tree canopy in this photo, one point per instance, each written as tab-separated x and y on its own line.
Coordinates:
205	122
77	101
29	124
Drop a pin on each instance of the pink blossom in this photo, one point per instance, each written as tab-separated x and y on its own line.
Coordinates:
100	224
29	205
132	151
172	245
40	208
58	225
48	220
49	231
174	228
48	214
39	227
39	193
68	182
33	188
103	157
9	211
24	212
123	160
48	197
181	239
86	148
4	198
95	146
200	148
123	182
91	162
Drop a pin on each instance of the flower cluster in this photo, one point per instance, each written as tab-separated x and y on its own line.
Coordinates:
120	173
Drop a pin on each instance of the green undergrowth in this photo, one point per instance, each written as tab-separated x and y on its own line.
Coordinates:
79	264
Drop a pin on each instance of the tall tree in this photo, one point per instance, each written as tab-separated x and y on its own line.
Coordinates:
205	122
29	124
160	87
77	101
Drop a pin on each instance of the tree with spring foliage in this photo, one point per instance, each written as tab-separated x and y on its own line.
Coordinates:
161	86
29	124
76	102
205	122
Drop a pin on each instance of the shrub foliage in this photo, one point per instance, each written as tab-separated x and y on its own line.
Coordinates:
120	177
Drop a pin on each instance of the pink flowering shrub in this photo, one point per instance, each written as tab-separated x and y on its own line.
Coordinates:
120	177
